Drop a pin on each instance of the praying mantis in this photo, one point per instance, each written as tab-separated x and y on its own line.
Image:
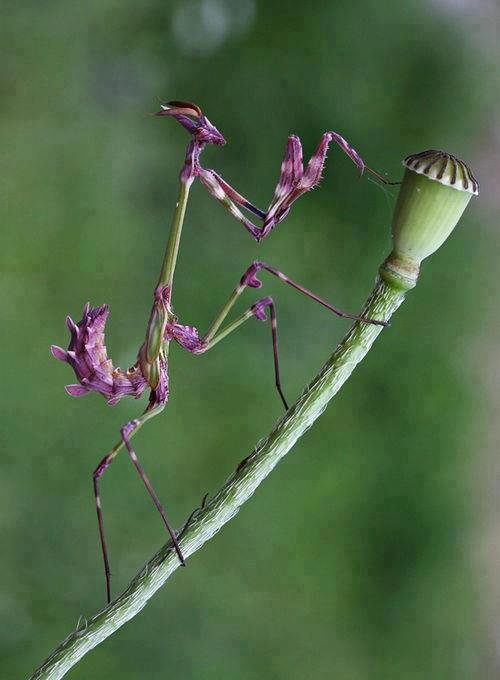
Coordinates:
87	353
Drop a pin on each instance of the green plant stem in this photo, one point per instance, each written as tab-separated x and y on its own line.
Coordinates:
382	303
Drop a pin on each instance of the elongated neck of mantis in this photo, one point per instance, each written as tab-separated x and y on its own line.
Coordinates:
172	250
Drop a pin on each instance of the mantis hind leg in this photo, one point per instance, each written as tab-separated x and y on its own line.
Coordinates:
127	433
97	474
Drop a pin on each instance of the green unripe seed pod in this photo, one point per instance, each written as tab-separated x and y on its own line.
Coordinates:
435	191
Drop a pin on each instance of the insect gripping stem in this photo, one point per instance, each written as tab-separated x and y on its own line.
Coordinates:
424	217
383	302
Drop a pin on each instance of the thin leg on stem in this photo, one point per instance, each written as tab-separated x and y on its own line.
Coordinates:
380	177
97	474
127	432
277	377
339	312
187	336
99	471
258	310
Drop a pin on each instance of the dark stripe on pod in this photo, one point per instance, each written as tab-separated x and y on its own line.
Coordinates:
415	161
465	180
454	171
444	165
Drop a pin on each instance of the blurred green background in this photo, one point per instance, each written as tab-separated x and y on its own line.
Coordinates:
371	551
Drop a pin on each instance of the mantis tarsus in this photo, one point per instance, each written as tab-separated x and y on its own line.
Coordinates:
87	352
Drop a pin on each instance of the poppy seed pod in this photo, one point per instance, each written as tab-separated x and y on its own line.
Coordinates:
435	191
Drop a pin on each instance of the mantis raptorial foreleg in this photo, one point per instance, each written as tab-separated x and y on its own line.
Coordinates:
230	199
293	181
